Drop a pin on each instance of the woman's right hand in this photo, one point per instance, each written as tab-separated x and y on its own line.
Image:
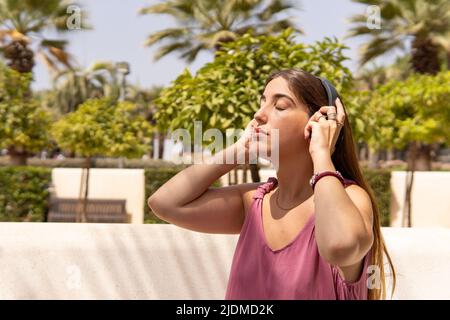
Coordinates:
247	145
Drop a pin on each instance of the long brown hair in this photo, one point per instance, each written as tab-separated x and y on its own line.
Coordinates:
309	90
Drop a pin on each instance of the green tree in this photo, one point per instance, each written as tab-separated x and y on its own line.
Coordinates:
411	112
144	100
206	24
369	77
24	124
103	127
21	21
225	93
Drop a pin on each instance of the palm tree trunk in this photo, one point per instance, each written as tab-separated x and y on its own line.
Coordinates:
373	158
254	170
425	56
407	205
363	152
425	59
390	154
161	139
80	195
423	157
86	190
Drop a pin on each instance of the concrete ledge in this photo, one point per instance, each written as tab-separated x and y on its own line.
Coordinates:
122	261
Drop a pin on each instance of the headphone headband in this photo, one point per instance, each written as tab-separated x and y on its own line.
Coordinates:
330	91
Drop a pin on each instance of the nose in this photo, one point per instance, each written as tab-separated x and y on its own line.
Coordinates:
261	115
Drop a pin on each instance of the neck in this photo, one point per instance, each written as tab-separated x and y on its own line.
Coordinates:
293	177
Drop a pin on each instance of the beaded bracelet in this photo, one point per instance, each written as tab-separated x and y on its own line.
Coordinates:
317	176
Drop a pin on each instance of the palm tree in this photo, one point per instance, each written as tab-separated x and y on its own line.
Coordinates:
425	27
23	23
422	25
74	86
205	24
143	98
369	77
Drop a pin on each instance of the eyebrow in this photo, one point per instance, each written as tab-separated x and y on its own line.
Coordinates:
278	96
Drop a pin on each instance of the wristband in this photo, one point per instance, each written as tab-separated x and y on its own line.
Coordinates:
317	176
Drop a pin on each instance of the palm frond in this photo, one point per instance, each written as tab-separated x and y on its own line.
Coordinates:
377	47
167	49
51	65
274	7
61	56
191	54
163	34
60	44
202	24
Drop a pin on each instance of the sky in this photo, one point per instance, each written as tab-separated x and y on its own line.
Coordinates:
119	32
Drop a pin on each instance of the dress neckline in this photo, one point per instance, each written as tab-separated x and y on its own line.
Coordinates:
273	183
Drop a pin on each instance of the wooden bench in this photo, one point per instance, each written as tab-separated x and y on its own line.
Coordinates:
97	210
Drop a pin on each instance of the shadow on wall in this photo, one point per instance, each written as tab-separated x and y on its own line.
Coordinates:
122	261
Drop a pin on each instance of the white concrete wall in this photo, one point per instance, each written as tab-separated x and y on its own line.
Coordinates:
122	261
128	184
430	198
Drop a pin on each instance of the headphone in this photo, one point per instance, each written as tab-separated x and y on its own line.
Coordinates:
332	94
330	91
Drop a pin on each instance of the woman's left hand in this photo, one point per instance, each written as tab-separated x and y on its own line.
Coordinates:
322	133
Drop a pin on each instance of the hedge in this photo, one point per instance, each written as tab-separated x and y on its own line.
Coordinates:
154	179
380	182
378	179
24	193
96	163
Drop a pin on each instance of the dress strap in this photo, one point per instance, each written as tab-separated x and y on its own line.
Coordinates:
348	182
271	183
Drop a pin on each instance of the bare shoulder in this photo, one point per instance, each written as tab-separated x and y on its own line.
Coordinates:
355	189
247	191
362	201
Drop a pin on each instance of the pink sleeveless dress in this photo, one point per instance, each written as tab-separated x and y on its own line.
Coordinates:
296	271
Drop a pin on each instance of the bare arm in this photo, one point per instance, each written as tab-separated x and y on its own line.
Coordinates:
343	217
189	201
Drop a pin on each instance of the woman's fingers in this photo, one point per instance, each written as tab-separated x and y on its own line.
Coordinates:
322	112
340	118
340	111
320	116
316	117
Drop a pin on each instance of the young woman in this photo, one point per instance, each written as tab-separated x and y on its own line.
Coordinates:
300	238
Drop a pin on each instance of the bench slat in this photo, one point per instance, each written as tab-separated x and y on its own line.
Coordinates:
97	210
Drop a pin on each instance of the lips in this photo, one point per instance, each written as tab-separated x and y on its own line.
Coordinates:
262	131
